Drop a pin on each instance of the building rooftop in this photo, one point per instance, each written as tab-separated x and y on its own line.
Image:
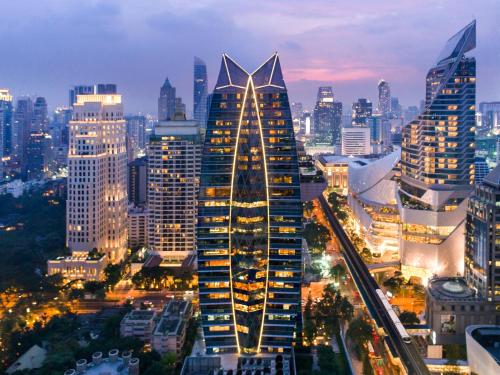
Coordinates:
175	307
451	288
140	315
113	365
488	337
169	326
493	178
337	159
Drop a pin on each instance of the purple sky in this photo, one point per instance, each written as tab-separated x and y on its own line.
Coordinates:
46	46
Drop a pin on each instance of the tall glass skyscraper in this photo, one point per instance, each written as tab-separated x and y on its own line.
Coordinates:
327	117
5	126
249	215
384	97
437	164
200	84
166	102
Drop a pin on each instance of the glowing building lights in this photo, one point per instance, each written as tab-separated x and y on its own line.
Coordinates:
249	207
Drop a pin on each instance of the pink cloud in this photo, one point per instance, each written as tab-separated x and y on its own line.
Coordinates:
325	74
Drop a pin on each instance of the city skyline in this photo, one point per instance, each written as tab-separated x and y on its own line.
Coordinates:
395	39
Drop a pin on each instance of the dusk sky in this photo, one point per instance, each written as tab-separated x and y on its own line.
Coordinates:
46	46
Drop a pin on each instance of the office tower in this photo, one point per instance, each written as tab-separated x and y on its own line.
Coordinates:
200	91
361	110
297	110
490	116
5	126
327	117
138	181
166	102
40	116
411	113
79	90
174	157
437	164
38	156
384	98
249	215
482	237
21	129
136	136
306	123
356	140
396	109
60	126
180	108
380	133
481	169
97	177
105	89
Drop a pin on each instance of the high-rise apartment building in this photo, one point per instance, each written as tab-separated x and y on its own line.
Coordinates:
490	116
166	102
21	129
437	164
200	91
59	129
380	133
138	181
40	115
5	126
174	157
249	215
361	110
38	156
97	177
136	136
384	98
482	247
356	140
327	117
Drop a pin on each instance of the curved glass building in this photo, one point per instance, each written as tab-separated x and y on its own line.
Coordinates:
250	215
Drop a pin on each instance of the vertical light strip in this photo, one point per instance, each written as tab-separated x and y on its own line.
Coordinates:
227	70
268	213
272	71
231	209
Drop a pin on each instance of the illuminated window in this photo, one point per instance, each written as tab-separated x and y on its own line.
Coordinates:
242	329
219	328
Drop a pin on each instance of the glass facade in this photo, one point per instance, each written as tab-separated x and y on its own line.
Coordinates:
327	117
200	84
482	247
249	215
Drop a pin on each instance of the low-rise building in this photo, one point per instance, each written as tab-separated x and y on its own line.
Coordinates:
335	169
451	306
113	365
138	323
170	332
229	363
137	222
483	349
79	266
